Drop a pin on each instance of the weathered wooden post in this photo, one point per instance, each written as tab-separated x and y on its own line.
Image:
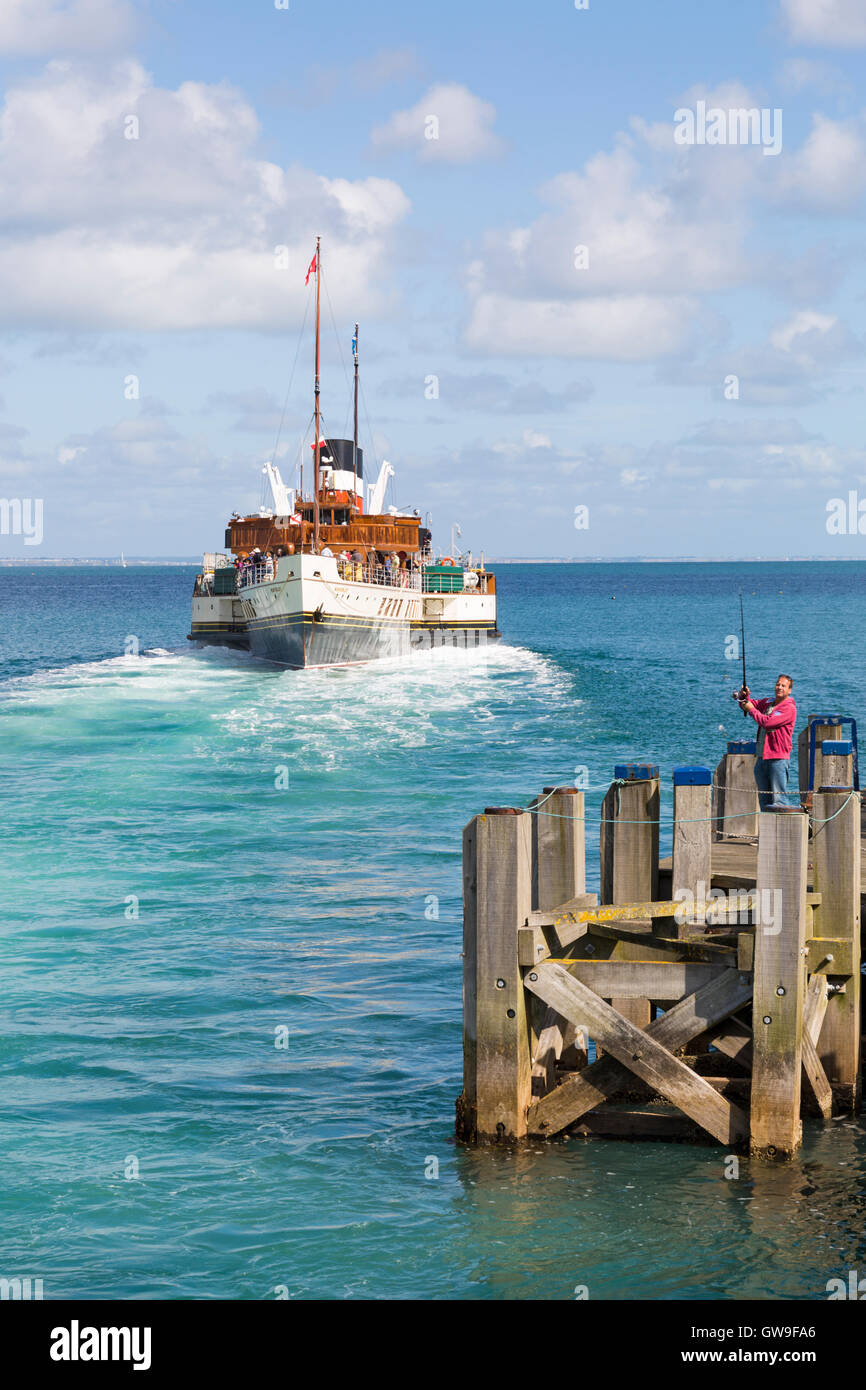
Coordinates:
837	764
779	982
836	860
497	885
826	728
692	869
630	835
803	762
736	801
630	852
558	847
718	800
558	876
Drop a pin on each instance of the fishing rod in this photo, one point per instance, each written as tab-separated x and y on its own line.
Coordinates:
743	647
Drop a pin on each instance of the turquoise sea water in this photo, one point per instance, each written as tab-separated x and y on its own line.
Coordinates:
169	913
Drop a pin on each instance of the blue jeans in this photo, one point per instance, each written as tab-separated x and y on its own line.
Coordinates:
771	778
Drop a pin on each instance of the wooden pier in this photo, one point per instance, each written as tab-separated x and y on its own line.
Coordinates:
720	987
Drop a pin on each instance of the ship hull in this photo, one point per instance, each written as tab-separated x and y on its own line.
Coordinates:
308	641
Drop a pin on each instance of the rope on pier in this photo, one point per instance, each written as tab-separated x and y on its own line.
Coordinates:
695	820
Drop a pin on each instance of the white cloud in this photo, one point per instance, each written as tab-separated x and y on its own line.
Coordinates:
625	328
622	260
177	228
449	125
640	236
788	336
737	459
828	172
612	267
31	27
158	477
794	366
633	478
839	23
808	459
698	485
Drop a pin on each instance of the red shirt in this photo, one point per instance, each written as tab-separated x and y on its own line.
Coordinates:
779	723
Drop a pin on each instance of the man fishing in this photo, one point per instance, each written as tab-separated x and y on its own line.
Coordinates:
775	720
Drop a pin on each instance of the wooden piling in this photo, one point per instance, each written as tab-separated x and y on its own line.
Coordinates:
630	839
718	799
467	1101
629	848
497	901
837	764
803	763
737	799
558	876
558	847
828	732
836	860
692	868
779	984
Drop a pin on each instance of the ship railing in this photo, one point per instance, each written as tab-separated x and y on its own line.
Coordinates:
255	574
393	576
390	576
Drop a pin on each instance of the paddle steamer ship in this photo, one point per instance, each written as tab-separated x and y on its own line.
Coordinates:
332	577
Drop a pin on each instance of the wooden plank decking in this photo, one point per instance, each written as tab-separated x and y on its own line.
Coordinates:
735	865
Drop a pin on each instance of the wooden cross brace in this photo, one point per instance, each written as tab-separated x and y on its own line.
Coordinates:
648	1053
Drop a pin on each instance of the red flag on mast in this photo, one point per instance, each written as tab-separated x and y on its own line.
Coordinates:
312	270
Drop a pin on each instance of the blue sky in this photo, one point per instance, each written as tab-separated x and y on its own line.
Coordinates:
559	386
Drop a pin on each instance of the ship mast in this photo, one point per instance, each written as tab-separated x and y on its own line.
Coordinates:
316	466
355	438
